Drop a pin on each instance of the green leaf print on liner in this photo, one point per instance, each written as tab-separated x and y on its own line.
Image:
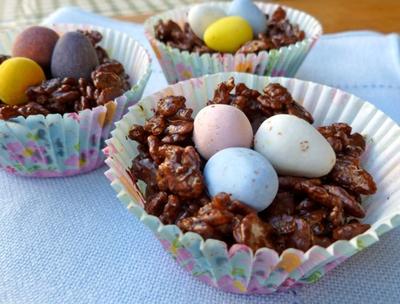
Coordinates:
360	245
273	58
314	277
199	273
31	136
176	243
238	272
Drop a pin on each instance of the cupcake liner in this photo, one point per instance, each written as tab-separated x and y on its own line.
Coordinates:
181	65
70	144
238	269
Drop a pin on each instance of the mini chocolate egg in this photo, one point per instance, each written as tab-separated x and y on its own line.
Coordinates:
202	15
244	174
221	126
228	34
73	56
249	11
17	74
36	43
294	147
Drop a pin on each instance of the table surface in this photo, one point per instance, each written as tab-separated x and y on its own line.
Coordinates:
340	15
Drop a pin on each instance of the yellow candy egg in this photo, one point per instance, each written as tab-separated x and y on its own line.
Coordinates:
228	34
16	75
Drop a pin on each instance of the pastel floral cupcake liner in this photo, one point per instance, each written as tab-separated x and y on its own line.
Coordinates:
238	269
181	65
69	144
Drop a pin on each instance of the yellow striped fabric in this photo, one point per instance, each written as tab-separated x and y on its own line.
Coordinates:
23	12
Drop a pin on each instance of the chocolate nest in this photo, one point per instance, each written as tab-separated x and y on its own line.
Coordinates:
68	95
280	32
305	212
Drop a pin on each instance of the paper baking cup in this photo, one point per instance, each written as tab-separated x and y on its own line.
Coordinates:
69	144
238	269
181	65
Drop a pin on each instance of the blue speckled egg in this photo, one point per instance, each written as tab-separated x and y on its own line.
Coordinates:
249	11
244	174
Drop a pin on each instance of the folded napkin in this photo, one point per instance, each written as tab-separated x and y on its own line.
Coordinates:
366	64
69	240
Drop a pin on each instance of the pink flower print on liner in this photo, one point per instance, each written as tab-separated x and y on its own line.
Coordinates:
184	71
197	83
35	153
107	151
166	244
74	116
225	282
288	283
81	159
10	169
15	150
329	266
30	151
14	147
183	254
72	161
185	258
278	73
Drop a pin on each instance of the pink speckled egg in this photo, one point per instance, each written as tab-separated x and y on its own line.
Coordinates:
36	43
219	126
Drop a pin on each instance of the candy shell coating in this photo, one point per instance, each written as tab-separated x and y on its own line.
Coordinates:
249	11
220	126
17	74
294	147
244	174
202	15
73	56
36	43
228	34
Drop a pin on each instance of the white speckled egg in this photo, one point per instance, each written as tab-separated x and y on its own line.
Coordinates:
294	147
244	174
220	126
249	11
202	15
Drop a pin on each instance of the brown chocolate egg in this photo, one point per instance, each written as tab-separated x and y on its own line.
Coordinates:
36	43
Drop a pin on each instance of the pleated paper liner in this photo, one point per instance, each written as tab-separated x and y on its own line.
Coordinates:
238	269
69	144
181	65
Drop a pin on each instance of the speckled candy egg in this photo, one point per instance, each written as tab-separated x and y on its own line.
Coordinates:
228	34
294	147
73	56
220	126
245	174
36	43
17	74
202	15
249	11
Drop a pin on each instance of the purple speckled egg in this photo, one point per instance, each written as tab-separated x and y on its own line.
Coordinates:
73	56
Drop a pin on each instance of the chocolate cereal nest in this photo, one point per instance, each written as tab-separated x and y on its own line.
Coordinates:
68	95
305	212
280	32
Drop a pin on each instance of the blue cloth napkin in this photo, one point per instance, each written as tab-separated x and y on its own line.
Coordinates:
69	240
